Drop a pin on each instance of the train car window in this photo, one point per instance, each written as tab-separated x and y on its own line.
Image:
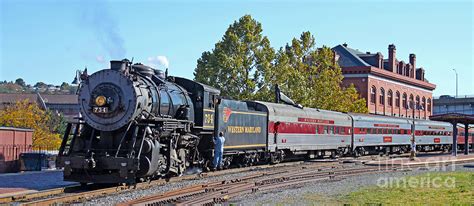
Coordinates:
336	130
317	129
379	131
326	130
177	98
331	130
211	100
164	103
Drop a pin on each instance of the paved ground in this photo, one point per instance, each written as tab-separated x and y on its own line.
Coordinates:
31	181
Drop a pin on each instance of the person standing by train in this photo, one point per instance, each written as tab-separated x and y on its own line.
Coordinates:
218	150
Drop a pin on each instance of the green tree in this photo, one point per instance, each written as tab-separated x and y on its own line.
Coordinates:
20	82
312	77
65	86
40	84
237	63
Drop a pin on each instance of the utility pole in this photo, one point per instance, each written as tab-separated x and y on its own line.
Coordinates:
456	82
413	143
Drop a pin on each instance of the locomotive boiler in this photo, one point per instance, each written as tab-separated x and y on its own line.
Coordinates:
134	125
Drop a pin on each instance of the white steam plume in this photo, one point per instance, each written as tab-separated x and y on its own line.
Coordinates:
158	61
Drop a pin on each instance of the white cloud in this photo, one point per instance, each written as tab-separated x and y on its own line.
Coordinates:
100	58
158	61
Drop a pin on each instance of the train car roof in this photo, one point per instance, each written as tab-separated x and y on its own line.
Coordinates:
204	86
278	107
432	123
379	118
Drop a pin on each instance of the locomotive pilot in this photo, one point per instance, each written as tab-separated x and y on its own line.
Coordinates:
218	150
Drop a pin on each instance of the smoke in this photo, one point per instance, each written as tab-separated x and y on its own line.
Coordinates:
95	16
100	59
158	61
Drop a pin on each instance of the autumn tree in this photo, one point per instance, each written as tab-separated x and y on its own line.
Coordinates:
238	61
24	114
312	77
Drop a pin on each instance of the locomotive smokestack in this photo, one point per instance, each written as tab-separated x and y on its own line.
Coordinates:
119	65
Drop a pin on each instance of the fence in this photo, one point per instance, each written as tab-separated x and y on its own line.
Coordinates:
10	156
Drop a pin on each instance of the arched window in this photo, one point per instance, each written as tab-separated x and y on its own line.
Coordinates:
412	102
382	96
418	103
429	105
390	97
423	103
397	99
373	94
405	104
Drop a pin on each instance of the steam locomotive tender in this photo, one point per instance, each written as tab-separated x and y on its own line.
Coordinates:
136	125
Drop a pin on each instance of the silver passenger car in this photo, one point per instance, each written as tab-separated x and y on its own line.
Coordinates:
306	129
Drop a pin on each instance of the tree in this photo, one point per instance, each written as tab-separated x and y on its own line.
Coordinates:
237	62
40	84
20	82
312	77
65	86
244	66
25	114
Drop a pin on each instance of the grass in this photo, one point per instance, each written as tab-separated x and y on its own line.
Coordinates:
429	189
453	188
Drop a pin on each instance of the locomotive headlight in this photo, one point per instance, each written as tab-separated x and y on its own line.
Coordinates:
100	101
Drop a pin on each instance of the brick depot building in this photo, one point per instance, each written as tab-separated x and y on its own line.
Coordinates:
390	86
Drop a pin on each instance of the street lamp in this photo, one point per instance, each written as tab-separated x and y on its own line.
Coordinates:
413	142
456	82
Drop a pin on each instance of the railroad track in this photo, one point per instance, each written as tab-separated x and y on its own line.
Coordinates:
79	194
218	192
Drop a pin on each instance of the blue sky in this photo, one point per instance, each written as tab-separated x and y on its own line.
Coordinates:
48	40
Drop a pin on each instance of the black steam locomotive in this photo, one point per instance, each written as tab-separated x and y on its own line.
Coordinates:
137	124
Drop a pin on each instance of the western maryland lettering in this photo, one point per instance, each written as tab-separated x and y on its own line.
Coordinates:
244	130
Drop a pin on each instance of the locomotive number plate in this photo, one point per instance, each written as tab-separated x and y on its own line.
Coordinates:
100	110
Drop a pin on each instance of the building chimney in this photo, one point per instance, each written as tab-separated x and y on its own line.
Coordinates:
420	74
336	57
413	60
379	58
345	44
402	68
392	58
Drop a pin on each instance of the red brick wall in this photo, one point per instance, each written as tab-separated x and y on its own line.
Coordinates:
364	84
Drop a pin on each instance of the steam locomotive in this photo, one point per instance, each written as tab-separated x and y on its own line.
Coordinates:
137	124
